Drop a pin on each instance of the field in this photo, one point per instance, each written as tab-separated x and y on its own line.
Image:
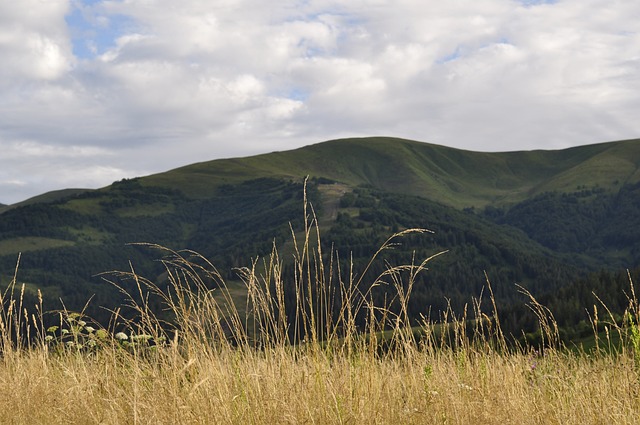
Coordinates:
216	362
311	385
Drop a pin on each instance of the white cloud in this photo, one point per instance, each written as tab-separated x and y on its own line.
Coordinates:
32	149
158	84
32	43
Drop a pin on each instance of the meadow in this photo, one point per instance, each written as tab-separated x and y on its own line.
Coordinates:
217	362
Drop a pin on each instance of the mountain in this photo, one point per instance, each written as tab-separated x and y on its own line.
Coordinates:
543	219
450	176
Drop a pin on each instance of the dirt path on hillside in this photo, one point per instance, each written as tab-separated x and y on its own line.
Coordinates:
330	195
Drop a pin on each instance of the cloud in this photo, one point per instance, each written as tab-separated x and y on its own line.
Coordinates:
94	91
50	167
33	45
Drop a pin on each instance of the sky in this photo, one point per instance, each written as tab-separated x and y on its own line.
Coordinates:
93	91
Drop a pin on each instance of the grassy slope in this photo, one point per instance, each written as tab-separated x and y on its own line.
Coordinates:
451	176
52	196
30	243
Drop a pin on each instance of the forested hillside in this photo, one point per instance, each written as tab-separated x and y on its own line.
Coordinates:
66	244
562	224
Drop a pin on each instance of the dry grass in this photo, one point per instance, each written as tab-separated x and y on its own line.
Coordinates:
311	367
280	386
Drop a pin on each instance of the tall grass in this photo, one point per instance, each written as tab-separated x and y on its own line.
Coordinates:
268	362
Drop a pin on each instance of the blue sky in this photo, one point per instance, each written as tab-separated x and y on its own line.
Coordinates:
94	34
95	91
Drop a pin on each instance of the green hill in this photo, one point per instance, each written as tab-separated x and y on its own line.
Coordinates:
543	219
45	198
450	176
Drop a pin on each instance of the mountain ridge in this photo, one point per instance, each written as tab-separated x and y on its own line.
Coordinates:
46	197
452	176
457	177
